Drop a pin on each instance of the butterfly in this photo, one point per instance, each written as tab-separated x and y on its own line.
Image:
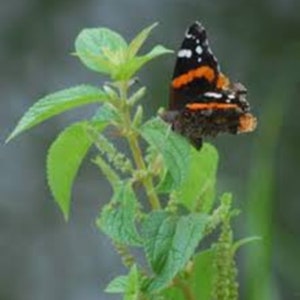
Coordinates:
203	101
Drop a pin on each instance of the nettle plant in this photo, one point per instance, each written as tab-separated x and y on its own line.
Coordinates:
179	181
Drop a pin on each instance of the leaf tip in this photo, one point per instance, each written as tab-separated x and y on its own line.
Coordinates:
11	136
66	216
65	209
8	139
153	25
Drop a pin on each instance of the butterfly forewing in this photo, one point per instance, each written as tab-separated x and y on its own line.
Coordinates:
196	69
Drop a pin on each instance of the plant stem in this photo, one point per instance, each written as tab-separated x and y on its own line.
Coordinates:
132	139
123	251
186	290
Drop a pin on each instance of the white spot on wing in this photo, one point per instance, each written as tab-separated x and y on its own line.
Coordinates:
199	49
189	35
199	59
187	53
213	95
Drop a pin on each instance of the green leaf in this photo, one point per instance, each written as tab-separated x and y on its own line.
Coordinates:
138	41
203	273
64	159
100	49
106	113
133	285
127	285
117	219
158	231
56	103
117	285
191	174
197	191
169	242
166	184
174	148
200	281
105	51
245	241
130	67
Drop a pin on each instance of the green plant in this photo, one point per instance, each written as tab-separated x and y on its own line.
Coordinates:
169	233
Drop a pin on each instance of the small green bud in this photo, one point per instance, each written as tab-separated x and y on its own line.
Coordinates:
110	92
137	96
138	117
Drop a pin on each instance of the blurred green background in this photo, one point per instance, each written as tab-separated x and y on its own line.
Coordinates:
257	43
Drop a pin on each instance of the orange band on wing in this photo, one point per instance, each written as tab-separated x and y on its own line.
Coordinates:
211	105
222	82
206	72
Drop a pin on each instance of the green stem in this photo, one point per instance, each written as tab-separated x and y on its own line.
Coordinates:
110	174
185	288
132	139
127	258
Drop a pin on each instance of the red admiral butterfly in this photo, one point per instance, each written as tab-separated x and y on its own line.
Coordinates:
203	102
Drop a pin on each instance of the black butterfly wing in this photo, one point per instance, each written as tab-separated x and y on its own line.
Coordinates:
196	70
